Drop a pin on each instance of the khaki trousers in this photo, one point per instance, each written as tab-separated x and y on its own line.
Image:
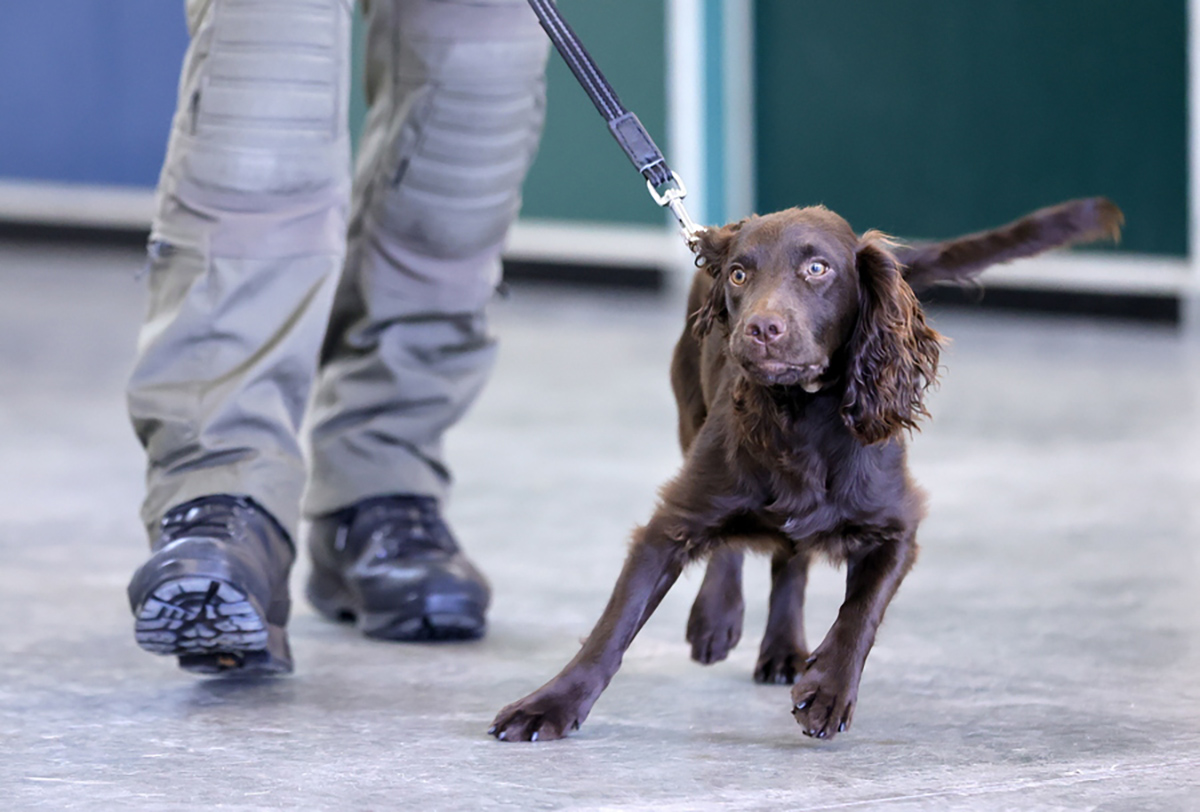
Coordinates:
271	272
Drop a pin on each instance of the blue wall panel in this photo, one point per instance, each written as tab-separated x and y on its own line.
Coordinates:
87	89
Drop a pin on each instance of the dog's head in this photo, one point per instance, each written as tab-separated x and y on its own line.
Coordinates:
807	303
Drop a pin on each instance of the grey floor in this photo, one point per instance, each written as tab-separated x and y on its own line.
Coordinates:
1044	654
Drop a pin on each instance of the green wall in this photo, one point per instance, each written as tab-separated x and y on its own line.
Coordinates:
933	117
925	118
580	172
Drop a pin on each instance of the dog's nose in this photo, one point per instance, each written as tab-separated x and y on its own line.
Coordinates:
765	329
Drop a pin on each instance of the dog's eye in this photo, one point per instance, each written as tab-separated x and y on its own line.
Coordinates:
738	276
817	268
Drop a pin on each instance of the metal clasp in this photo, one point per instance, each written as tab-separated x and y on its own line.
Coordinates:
672	197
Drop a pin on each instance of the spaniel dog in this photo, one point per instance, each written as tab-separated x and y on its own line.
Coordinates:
803	364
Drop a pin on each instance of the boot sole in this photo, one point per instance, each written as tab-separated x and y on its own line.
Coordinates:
195	611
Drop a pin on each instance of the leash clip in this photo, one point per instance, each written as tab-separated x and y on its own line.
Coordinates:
672	198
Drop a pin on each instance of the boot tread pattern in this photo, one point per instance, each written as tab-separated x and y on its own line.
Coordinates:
197	615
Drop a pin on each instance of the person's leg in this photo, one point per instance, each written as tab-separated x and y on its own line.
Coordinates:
456	94
247	244
456	91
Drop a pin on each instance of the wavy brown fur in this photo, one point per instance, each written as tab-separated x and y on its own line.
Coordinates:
893	354
962	259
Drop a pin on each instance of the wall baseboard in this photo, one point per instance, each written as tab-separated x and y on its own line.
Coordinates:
1158	308
85	206
1091	283
646	279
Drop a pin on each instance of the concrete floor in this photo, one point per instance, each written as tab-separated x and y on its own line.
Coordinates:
1044	654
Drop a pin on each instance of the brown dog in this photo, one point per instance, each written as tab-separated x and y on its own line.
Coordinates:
805	357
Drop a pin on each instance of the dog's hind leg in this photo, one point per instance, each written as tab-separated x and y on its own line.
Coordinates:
784	648
715	623
654	562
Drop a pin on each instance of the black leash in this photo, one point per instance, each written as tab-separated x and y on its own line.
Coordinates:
624	125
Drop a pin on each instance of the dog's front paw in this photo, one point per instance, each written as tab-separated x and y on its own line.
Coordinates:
779	663
823	697
544	714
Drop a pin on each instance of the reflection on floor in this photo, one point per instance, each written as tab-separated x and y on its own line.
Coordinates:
1044	654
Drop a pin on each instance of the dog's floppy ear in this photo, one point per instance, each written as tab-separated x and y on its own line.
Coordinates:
712	252
893	353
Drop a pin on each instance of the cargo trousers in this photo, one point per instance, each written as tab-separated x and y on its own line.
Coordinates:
280	286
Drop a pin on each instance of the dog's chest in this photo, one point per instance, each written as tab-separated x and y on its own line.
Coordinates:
820	484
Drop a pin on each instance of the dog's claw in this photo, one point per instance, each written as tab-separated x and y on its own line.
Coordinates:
547	714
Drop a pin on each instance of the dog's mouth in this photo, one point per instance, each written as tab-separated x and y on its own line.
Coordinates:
781	373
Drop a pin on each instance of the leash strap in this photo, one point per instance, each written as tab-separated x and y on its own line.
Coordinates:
664	185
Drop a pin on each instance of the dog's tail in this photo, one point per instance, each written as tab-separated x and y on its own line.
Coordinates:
960	260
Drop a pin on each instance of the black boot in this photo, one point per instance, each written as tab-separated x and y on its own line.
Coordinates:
391	565
215	591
